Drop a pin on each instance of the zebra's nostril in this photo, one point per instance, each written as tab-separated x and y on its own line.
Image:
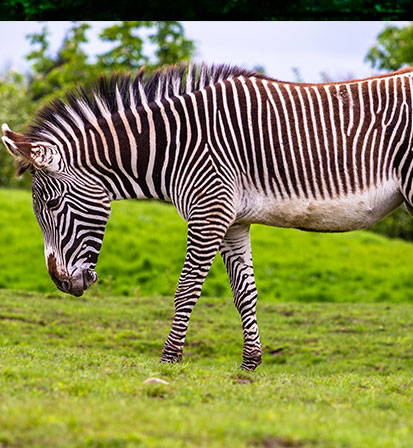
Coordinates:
89	277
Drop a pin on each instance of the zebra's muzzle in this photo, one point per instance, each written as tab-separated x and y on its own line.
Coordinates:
78	284
75	284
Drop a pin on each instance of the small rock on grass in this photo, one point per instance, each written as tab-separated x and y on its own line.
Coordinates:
155	381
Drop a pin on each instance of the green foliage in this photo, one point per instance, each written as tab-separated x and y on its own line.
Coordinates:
72	374
144	249
38	9
394	48
53	75
398	225
352	9
167	39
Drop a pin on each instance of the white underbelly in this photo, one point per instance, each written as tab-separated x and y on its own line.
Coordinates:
349	212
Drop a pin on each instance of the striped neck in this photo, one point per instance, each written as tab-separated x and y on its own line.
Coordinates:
140	152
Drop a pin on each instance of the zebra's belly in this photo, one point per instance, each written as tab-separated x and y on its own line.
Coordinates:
345	213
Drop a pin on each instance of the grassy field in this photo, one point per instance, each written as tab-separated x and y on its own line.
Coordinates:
333	375
144	249
336	320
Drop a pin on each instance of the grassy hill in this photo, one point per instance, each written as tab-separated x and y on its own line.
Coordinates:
72	370
144	249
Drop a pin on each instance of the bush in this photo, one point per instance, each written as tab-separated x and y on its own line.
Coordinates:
398	225
16	108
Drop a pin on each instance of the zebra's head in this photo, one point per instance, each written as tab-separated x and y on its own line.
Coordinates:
71	210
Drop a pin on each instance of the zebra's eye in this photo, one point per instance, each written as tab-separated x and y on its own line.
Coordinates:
53	203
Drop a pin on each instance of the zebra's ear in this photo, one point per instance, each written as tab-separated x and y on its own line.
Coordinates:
39	154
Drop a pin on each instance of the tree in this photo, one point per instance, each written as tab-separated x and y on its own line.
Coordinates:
167	39
394	48
52	75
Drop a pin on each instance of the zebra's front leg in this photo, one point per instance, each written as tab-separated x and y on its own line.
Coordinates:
202	246
236	252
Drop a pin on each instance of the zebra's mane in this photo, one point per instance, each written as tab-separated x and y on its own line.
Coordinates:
120	91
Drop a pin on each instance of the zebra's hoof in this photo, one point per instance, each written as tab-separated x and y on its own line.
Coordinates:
250	364
171	357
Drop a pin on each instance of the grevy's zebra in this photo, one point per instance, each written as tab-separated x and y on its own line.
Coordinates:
228	148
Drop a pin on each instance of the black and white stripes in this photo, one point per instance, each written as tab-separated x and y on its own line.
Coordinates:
228	147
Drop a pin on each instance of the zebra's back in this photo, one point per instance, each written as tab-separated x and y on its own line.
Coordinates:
320	157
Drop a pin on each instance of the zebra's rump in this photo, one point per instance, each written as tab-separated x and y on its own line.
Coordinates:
340	214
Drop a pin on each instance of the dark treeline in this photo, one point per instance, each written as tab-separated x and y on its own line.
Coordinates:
207	9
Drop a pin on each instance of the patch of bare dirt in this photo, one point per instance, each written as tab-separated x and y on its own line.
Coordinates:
277	442
277	351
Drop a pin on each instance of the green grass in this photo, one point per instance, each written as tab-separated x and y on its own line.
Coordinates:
333	375
335	313
144	249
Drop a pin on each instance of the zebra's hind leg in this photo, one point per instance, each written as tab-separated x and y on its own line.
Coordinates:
204	238
236	252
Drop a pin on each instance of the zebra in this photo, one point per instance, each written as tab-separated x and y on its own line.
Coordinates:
228	147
